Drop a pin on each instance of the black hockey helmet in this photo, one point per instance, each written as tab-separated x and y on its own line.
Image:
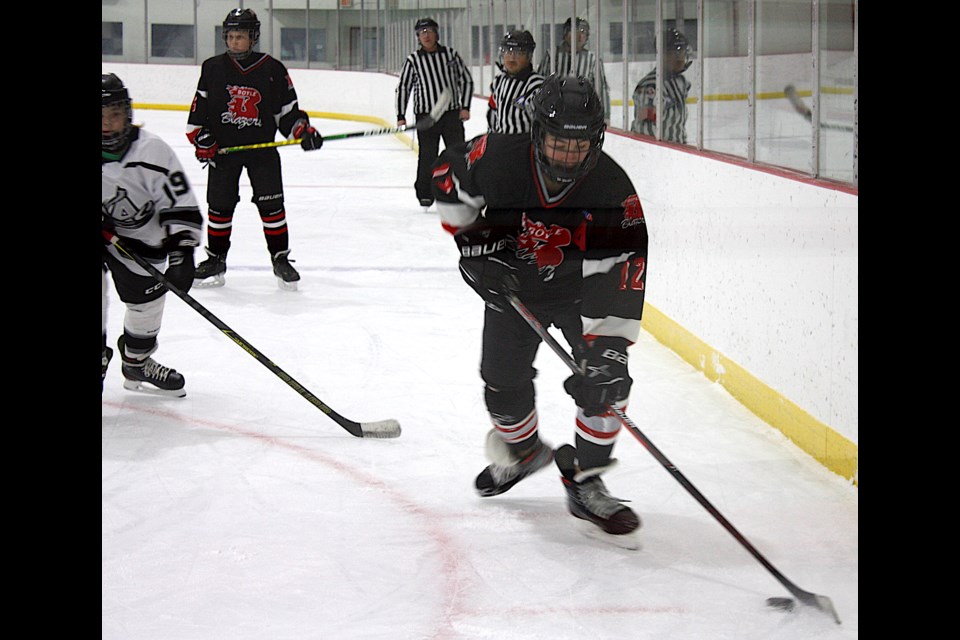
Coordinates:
242	20
520	40
567	107
676	42
582	25
113	92
426	23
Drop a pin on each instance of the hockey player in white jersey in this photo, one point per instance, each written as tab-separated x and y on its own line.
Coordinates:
147	203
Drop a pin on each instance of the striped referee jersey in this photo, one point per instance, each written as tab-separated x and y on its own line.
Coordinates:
507	112
586	67
674	115
425	75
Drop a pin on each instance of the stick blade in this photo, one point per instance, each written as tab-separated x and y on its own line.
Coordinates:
440	108
791	92
380	429
823	603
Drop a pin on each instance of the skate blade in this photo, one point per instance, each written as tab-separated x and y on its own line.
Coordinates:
286	286
210	283
135	385
629	541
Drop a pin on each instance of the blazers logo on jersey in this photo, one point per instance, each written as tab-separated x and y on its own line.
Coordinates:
542	244
477	149
125	213
632	212
243	107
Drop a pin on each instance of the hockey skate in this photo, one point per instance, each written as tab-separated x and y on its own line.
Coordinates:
149	376
589	500
210	272
287	276
106	354
506	470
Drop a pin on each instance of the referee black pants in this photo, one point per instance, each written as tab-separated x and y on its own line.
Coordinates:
450	128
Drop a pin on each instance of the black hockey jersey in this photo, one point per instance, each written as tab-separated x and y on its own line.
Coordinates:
586	245
244	102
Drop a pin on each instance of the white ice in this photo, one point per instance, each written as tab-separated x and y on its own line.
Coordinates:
242	511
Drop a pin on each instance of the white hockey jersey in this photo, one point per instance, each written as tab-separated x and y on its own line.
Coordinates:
148	198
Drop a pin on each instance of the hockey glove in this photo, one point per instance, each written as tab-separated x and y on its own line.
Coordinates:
310	138
487	261
106	226
180	265
605	379
206	146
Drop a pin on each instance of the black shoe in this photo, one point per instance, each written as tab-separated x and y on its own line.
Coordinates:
588	498
499	478
106	354
284	271
149	376
426	202
209	273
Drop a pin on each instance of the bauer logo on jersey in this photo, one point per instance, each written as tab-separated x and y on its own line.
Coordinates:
243	107
542	244
632	212
125	213
477	149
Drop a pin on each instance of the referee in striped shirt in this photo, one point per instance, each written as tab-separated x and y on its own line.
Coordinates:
426	73
509	91
677	57
586	62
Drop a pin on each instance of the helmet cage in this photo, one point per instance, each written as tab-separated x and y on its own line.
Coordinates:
242	20
567	108
113	93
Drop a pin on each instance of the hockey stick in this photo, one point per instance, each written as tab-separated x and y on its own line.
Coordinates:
791	92
425	123
380	429
820	602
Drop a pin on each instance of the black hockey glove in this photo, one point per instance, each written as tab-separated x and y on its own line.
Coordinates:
605	379
487	261
106	226
180	265
310	138
206	146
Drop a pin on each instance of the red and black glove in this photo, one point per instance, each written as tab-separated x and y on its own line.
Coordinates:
310	138
206	145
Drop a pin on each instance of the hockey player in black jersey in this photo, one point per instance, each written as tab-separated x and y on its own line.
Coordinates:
244	97
558	221
145	201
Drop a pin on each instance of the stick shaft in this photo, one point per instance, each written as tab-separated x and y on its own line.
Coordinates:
425	123
804	596
352	427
